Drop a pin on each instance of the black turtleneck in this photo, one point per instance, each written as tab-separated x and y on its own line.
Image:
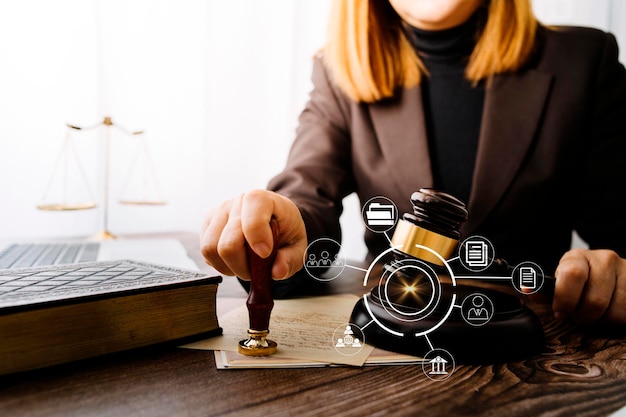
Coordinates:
452	106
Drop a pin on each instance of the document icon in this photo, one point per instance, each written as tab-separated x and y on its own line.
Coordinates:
476	253
528	278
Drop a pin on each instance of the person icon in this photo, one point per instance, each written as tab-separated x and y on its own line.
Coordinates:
340	343
312	261
348	337
478	312
356	343
477	309
338	262
325	259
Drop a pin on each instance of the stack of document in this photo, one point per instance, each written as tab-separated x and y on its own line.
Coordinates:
305	330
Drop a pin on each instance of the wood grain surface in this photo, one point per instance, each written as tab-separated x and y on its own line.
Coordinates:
582	372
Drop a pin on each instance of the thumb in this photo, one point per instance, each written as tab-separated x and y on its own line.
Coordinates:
289	260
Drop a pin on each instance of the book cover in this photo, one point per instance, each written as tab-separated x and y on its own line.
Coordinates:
56	314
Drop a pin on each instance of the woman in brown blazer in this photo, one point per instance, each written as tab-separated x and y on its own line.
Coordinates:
524	123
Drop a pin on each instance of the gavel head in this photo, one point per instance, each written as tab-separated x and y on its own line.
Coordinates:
434	223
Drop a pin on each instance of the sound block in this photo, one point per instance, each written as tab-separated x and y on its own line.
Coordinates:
512	332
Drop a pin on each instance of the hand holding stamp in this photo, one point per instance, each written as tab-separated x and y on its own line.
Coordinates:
260	301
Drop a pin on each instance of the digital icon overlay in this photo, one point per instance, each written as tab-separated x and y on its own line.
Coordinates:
476	253
438	365
477	309
408	289
348	339
380	214
528	278
323	260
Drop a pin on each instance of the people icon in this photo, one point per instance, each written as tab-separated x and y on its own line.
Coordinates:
478	312
348	339
324	261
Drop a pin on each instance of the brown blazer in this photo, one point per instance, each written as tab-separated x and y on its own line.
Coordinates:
551	154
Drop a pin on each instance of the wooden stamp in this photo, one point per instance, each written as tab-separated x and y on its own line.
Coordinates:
260	301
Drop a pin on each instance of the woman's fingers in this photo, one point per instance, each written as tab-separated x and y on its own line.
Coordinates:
228	227
590	286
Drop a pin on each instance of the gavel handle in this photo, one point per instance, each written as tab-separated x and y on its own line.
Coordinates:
260	301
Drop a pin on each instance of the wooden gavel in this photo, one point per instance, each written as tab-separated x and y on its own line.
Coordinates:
260	301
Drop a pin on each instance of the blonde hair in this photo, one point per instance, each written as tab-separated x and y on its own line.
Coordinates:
370	57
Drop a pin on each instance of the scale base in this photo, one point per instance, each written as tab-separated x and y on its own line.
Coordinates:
103	235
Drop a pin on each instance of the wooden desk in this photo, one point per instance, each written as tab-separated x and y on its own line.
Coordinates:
578	375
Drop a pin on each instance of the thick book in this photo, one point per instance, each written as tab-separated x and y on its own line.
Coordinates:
56	314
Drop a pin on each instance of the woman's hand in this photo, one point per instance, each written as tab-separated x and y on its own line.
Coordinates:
246	218
591	286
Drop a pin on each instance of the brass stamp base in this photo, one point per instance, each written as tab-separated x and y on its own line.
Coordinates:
257	344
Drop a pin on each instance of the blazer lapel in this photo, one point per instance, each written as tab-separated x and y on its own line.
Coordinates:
512	112
401	131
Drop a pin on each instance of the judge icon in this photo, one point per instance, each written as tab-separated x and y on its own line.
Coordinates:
478	312
477	309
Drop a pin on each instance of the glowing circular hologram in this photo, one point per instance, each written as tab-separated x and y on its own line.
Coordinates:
434	326
527	278
438	364
412	291
319	263
477	309
348	339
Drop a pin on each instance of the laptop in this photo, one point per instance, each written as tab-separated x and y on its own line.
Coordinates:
169	252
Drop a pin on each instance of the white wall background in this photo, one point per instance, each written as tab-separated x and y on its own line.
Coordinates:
217	85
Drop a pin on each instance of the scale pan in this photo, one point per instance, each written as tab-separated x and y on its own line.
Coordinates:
143	202
66	207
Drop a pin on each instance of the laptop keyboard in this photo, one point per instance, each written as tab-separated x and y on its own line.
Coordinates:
41	254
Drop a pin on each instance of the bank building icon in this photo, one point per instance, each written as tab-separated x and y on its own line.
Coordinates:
438	366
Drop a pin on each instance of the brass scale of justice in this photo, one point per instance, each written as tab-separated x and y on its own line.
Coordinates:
150	194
